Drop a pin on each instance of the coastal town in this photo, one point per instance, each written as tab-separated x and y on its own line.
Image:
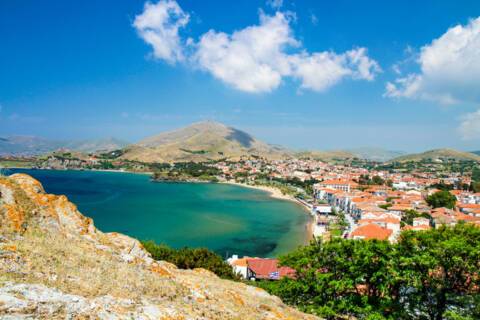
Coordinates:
346	199
359	203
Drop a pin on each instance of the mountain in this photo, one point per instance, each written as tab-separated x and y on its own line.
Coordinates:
438	154
54	264
98	145
201	141
327	156
375	154
32	146
27	145
476	152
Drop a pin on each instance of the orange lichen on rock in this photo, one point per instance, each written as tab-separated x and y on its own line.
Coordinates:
161	271
15	216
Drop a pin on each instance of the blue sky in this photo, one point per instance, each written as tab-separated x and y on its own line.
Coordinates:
401	75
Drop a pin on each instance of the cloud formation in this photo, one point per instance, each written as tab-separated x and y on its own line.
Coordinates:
470	126
158	26
449	69
275	4
256	58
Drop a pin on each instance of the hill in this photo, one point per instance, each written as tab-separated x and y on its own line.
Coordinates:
96	145
201	141
375	154
54	264
476	152
33	146
440	154
27	145
327	156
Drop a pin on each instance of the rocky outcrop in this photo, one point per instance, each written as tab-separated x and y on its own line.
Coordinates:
54	263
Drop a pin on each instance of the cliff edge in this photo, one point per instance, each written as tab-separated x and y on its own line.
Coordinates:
55	264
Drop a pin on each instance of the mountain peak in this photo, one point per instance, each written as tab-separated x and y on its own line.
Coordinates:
201	141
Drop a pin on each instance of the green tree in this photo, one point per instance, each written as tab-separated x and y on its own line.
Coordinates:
440	270
340	277
427	275
442	199
190	258
409	215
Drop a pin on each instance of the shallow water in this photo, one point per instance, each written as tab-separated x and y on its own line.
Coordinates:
225	218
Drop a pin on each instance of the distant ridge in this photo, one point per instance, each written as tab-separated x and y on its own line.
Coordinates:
438	154
326	156
476	152
201	141
34	146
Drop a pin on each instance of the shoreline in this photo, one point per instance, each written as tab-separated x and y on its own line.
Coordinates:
275	193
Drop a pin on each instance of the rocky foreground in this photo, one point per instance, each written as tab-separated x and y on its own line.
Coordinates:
54	264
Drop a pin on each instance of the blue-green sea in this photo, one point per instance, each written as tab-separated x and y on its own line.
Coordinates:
225	218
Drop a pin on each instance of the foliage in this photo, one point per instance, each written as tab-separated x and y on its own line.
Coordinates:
442	199
364	179
427	275
184	171
190	258
409	215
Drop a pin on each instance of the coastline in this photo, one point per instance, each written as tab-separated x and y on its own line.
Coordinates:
273	192
277	194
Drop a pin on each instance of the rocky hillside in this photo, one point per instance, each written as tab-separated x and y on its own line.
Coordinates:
201	141
54	264
438	154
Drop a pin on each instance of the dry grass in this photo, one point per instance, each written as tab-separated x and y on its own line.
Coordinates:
75	266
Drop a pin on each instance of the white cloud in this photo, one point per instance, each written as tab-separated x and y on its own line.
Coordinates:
470	126
450	69
256	58
319	71
275	4
313	19
158	25
250	59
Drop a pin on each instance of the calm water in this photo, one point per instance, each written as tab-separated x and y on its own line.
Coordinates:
225	218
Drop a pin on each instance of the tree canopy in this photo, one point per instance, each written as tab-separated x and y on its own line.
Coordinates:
442	199
426	275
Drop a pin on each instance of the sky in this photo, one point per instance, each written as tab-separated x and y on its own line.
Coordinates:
400	75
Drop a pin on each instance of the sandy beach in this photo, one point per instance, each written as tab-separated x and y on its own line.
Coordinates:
277	194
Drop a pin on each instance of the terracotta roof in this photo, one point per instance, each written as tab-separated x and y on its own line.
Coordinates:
240	262
417	228
371	231
264	268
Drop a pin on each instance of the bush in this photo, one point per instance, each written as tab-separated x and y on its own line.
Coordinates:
190	258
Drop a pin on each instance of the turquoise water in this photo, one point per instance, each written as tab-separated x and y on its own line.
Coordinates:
225	218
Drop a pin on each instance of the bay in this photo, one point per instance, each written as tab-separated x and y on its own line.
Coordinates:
225	218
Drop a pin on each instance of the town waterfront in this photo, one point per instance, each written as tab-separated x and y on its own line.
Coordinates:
228	219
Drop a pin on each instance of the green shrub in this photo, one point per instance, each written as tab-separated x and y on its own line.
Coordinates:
190	258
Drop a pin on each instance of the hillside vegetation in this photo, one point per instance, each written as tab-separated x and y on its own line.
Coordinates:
438	154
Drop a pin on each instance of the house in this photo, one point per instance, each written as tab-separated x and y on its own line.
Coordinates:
267	269
259	268
239	265
338	184
371	231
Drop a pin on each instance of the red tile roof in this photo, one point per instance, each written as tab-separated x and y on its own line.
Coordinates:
264	268
372	231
